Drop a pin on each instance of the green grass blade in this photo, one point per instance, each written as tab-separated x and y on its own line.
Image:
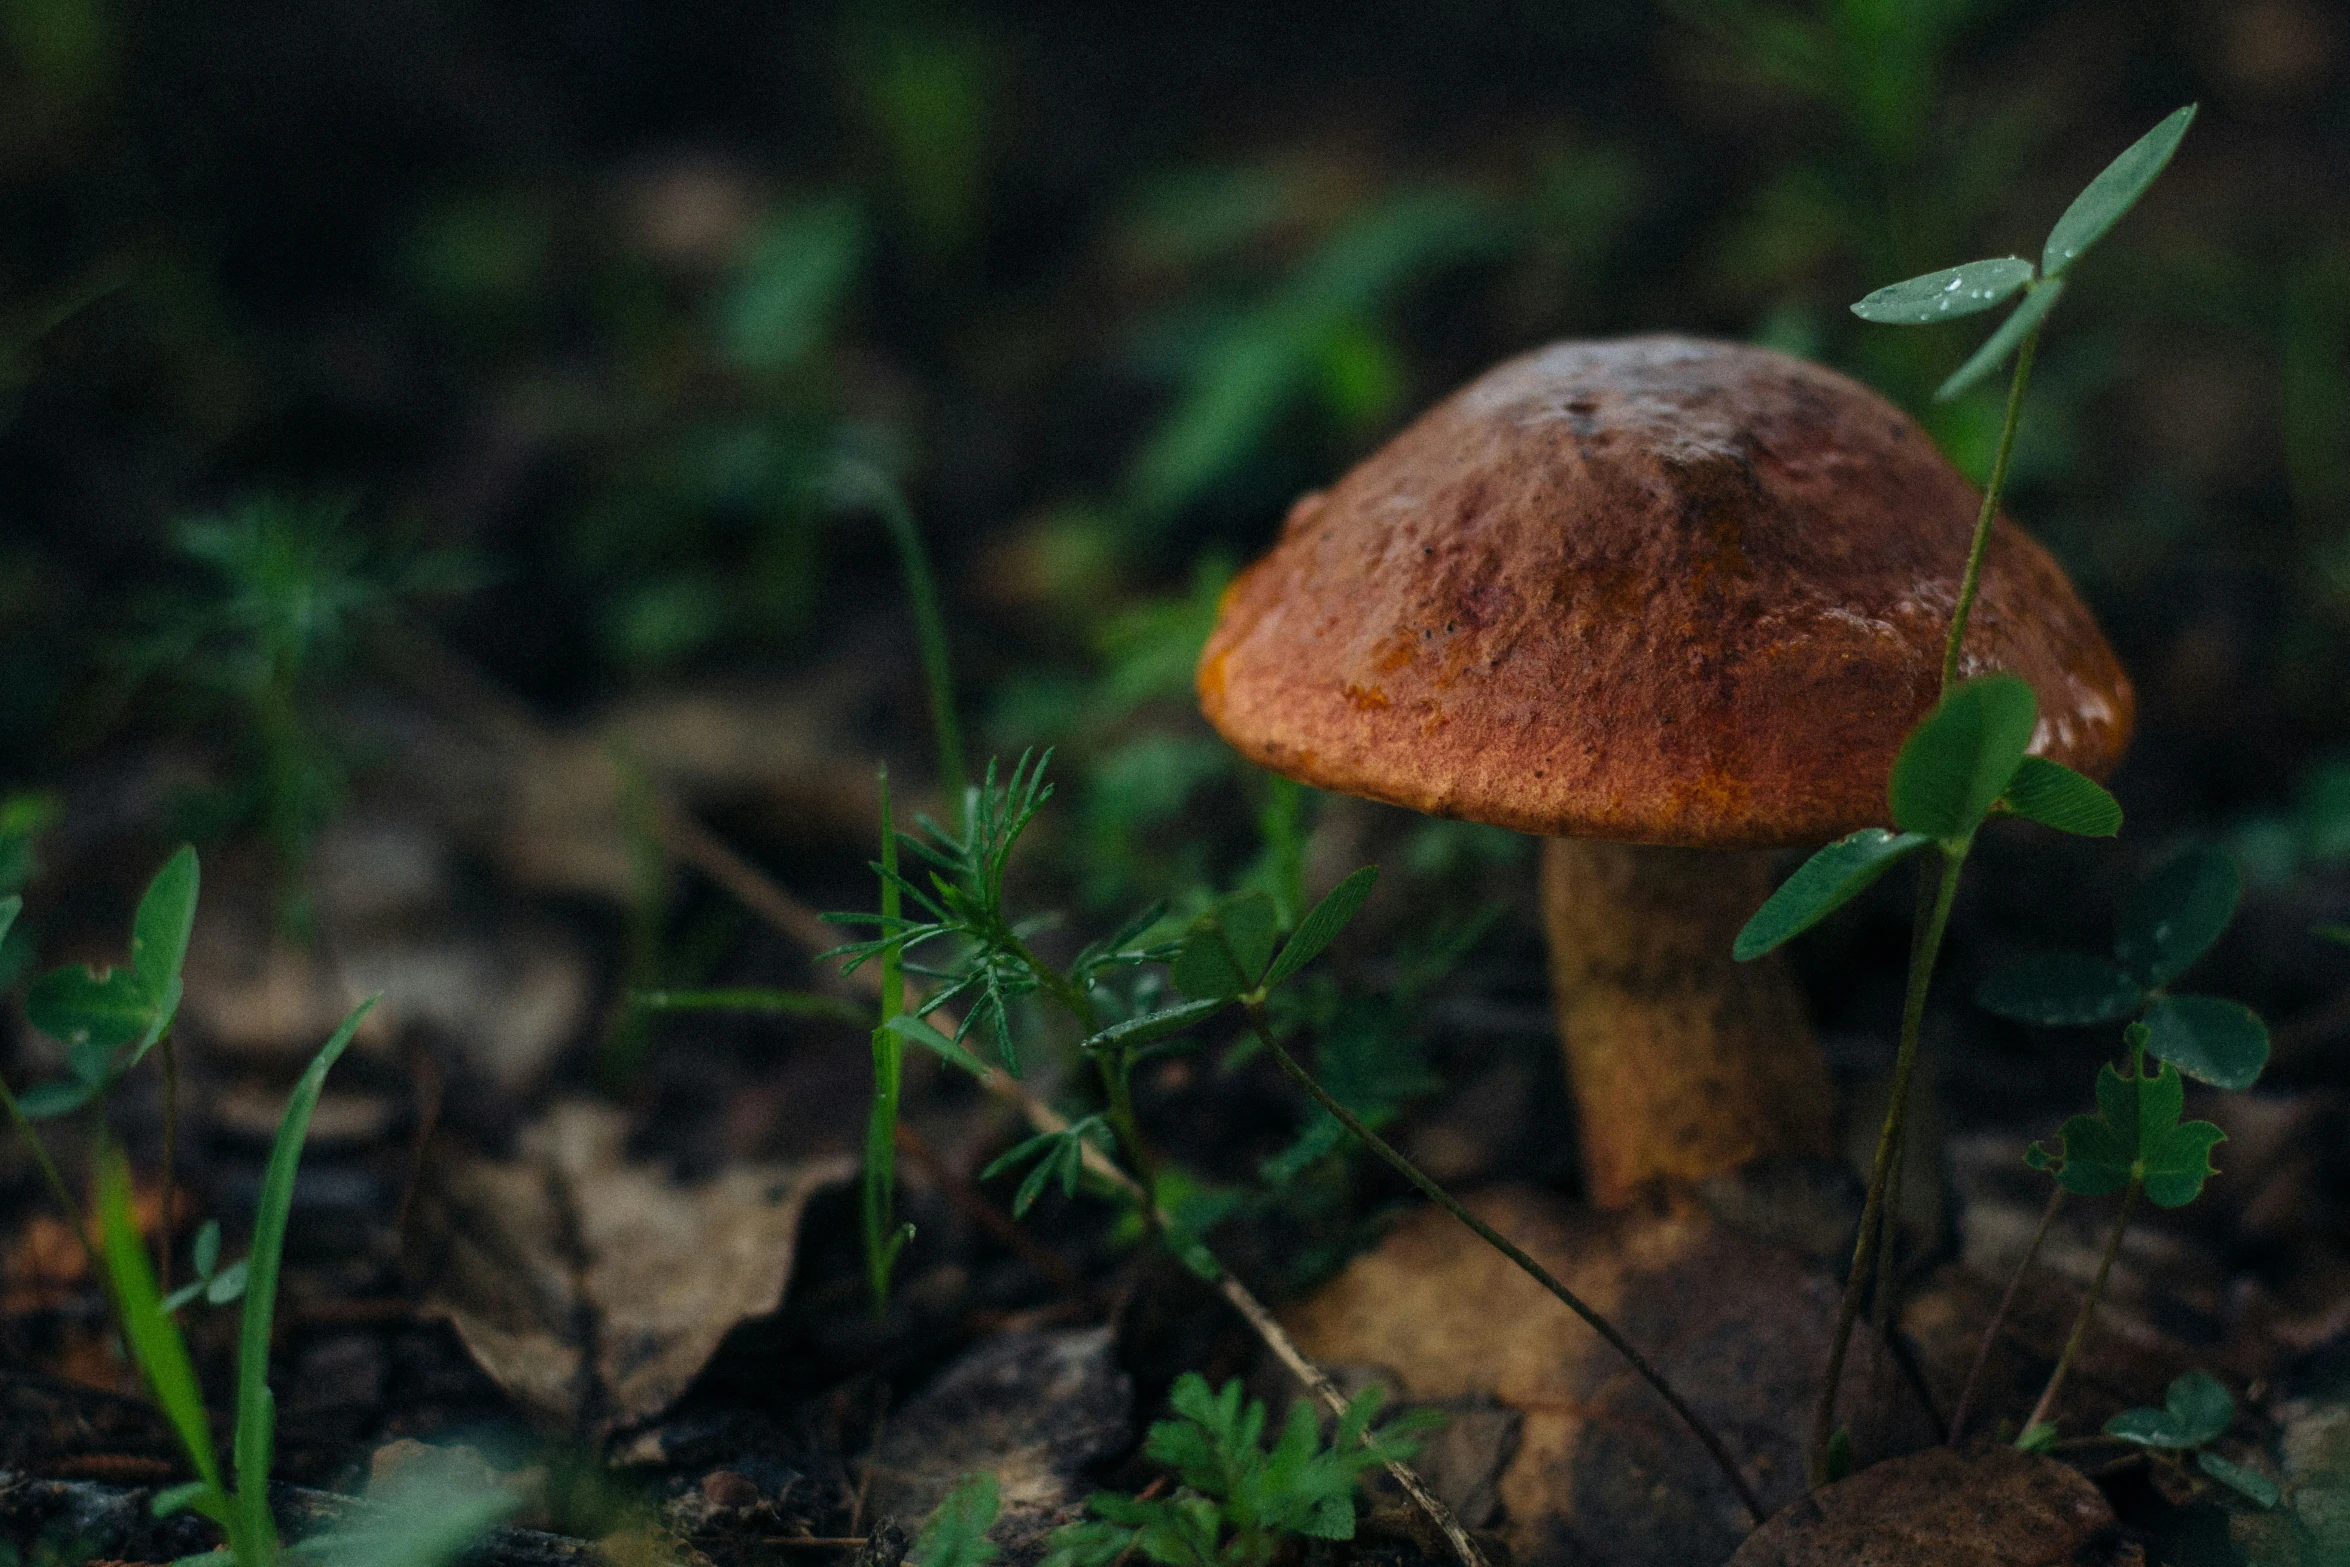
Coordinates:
1958	762
752	998
2002	344
1322	924
2177	913
155	1339
2053	795
861	484
1823	884
166	916
2113	192
2060	990
256	1413
884	1238
1947	294
2216	1041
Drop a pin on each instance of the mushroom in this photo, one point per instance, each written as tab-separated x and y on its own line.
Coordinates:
1669	604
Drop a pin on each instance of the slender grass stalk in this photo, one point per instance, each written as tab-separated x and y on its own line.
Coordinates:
753	998
1913	1017
256	1425
53	1179
862	484
2015	1284
884	1238
2072	1345
1971	580
1436	1194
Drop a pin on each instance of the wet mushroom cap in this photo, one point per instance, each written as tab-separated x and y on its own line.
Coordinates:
1656	590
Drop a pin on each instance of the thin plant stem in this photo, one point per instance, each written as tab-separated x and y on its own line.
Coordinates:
1925	948
2015	1284
1492	1237
1913	1015
171	1137
882	1235
55	1181
1117	1093
1972	579
872	488
2072	1345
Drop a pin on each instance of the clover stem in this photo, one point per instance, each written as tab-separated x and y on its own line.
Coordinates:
55	1182
1924	949
1988	517
2072	1345
2015	1284
1492	1237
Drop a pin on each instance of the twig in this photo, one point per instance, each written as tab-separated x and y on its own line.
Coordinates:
2015	1284
1436	1194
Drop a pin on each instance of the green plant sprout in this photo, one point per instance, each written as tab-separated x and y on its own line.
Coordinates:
2136	1145
241	1512
214	1284
2196	1412
1966	760
1238	1502
109	1020
1236	954
2168	924
955	1534
286	590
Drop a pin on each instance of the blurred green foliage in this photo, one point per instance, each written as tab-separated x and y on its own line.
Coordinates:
604	303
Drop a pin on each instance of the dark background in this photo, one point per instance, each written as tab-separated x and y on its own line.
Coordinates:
543	327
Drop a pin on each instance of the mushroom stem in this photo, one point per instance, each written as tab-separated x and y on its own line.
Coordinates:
1684	1063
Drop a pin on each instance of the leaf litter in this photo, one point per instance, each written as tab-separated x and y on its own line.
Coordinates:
593	1288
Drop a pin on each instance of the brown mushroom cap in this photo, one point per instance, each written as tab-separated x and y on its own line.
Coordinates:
1658	590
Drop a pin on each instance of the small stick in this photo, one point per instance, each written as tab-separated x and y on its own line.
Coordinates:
2072	1345
2015	1284
1285	1350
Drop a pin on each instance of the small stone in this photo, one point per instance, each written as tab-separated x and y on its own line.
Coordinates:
724	1490
1989	1507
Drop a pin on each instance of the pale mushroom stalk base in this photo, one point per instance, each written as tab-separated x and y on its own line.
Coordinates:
1684	1063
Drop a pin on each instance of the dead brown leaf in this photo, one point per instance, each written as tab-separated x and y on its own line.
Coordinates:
1601	1469
592	1289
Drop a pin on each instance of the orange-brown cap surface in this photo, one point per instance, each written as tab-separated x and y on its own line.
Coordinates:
1658	590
